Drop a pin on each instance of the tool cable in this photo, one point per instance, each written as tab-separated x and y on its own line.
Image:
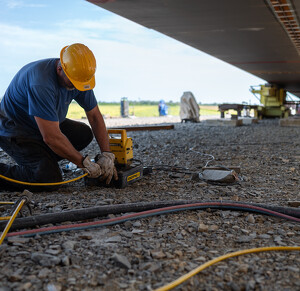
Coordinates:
221	258
42	184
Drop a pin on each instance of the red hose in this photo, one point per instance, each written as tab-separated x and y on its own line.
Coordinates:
149	212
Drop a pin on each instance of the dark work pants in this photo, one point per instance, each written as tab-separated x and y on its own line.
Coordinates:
35	161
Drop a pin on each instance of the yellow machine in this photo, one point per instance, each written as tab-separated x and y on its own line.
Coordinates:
273	100
129	170
121	146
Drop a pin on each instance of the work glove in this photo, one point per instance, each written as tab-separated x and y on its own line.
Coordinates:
93	169
106	161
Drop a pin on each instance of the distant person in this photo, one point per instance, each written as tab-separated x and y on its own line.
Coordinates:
34	129
162	108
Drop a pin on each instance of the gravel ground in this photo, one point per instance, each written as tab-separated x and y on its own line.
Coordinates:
150	252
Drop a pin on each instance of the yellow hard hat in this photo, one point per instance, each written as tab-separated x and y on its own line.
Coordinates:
79	64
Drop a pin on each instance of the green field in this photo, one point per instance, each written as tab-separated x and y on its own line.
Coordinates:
138	110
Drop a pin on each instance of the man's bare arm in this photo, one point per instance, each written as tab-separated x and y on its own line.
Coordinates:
58	142
96	121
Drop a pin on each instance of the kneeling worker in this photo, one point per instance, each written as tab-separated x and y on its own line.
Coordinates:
34	129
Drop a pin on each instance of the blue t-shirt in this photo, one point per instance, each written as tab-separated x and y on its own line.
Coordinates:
35	91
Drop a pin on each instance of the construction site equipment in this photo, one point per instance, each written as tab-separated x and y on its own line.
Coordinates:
189	108
273	101
121	146
124	107
225	107
129	170
238	108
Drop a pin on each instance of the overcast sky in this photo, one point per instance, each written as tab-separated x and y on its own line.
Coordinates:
132	61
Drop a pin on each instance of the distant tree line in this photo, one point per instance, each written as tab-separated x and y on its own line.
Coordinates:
148	102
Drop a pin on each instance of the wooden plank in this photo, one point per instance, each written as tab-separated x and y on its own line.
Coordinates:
223	122
289	122
293	203
147	127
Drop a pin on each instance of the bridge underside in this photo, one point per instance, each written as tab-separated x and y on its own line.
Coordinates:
261	37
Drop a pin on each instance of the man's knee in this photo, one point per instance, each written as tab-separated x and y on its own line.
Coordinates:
79	134
47	172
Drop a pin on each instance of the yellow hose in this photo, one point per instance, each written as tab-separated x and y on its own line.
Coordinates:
221	258
11	220
5	218
42	184
6	202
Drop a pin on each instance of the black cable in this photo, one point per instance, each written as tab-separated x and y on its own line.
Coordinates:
94	212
